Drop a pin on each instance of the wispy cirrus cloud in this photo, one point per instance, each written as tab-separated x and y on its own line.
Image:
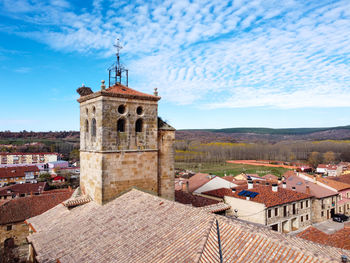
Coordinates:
218	54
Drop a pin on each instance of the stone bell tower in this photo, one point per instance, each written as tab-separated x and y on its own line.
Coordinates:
123	143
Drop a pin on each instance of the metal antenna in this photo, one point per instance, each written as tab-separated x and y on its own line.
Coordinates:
116	70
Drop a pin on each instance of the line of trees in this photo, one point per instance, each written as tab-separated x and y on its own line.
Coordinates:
288	151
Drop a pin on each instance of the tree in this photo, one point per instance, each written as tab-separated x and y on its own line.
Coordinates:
329	157
314	159
74	155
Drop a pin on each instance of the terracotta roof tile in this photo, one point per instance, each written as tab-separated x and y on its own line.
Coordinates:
17	171
342	178
265	195
338	185
19	153
22	208
139	227
195	200
28	188
198	180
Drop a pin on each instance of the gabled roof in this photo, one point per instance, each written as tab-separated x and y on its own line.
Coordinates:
339	186
22	208
198	180
265	195
301	185
342	178
17	171
195	200
139	227
27	188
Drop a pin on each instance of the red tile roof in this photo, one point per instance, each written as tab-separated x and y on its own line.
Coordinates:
195	200
198	180
265	195
339	186
18	171
270	177
20	209
19	153
28	188
339	239
121	89
342	178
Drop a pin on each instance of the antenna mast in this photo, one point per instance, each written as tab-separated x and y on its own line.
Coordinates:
116	71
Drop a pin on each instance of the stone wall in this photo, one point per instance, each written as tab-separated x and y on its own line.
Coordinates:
127	169
166	171
91	174
321	208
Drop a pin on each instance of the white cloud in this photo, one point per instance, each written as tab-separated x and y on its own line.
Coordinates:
286	54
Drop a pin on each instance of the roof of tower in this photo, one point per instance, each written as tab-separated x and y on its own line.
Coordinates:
162	125
119	90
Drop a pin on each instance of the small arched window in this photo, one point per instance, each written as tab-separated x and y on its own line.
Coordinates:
86	126
121	125
138	125
93	127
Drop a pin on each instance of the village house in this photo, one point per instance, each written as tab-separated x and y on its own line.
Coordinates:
27	158
341	204
18	174
323	200
281	209
329	169
22	190
13	213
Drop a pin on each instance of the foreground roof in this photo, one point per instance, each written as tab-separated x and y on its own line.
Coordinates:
139	227
265	195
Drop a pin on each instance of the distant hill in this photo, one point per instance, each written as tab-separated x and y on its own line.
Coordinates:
264	134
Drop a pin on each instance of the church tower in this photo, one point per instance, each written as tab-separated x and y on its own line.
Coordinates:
123	143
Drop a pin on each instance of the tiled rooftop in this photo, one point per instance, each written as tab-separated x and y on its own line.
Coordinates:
22	208
27	188
139	227
18	171
338	185
265	195
342	178
198	180
194	200
340	239
19	153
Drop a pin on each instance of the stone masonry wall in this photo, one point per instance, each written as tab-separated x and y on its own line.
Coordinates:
166	174
124	170
91	174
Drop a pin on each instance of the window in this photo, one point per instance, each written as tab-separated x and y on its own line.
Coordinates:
86	126
307	203
339	209
121	109
322	214
285	211
93	127
121	125
87	111
139	110
302	219
294	210
138	125
307	217
269	213
276	211
93	110
9	227
301	205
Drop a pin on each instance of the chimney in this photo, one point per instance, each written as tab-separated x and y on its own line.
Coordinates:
103	86
315	179
257	182
250	185
284	185
274	188
155	93
307	190
279	180
247	198
293	188
233	190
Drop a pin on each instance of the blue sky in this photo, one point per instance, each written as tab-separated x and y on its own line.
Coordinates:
216	64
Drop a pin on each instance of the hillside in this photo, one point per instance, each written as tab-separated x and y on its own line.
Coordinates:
264	134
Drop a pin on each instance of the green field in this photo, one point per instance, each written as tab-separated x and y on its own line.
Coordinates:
221	169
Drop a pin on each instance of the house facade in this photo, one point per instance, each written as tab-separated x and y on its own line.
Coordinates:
281	209
27	158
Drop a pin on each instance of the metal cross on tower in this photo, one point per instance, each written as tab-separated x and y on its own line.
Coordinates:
116	71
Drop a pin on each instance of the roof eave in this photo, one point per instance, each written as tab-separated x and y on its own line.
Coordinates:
118	95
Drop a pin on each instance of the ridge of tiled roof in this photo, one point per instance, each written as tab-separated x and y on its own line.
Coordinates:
214	208
265	195
22	208
139	227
